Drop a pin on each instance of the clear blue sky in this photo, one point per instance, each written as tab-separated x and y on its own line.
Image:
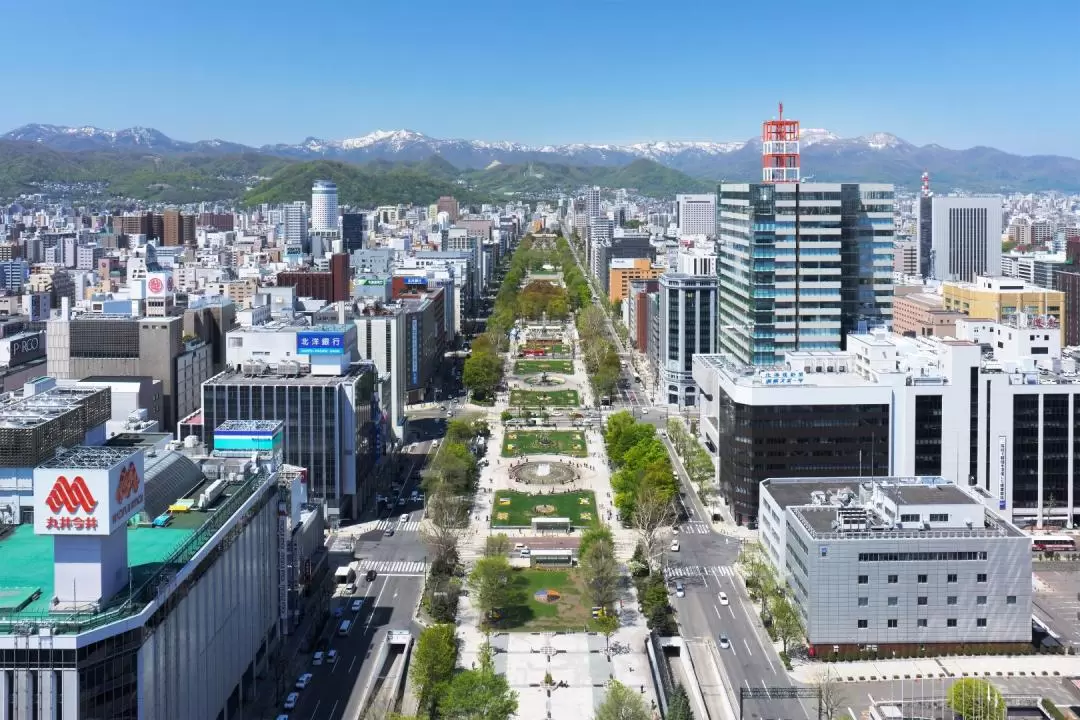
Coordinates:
257	71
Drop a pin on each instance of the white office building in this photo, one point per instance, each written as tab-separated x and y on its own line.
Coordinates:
592	203
897	564
294	225
965	237
696	214
324	206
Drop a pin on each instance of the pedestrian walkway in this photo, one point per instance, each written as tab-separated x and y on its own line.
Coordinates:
695	527
411	526
394	567
675	572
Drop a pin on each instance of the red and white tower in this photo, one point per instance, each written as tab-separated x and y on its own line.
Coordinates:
780	150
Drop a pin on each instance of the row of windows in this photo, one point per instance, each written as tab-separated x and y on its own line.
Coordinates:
916	517
921	556
924	578
924	600
920	622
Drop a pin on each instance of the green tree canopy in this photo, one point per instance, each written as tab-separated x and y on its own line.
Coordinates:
975	699
622	703
432	663
479	694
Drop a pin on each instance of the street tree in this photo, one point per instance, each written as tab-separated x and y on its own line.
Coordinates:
974	699
622	703
786	621
491	582
654	512
593	534
601	573
480	693
497	545
607	624
432	664
831	696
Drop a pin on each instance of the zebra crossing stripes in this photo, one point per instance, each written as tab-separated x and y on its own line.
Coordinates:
689	571
695	527
394	567
411	526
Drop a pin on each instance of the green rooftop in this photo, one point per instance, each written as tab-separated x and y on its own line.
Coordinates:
26	563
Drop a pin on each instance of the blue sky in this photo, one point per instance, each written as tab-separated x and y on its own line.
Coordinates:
257	71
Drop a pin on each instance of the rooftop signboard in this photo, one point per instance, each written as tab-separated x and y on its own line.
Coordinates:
88	501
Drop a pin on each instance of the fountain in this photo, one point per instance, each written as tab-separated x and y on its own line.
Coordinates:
543	470
544	473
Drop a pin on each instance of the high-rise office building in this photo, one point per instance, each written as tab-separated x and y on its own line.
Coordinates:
688	327
447	204
924	221
294	221
801	265
324	206
592	202
696	214
966	237
353	232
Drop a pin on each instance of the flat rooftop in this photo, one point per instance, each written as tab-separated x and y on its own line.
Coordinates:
926	490
234	377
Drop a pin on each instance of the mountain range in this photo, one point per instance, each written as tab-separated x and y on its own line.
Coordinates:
825	156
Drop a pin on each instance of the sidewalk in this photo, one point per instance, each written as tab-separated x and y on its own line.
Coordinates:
944	667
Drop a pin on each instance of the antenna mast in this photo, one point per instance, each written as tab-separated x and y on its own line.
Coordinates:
780	150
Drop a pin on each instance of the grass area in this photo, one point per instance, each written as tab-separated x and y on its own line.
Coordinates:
554	442
535	367
544	398
570	612
517	509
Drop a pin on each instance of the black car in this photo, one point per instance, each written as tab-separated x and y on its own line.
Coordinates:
370	575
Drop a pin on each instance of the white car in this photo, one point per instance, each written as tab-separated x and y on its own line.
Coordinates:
723	598
675	546
680	591
290	700
356	605
302	681
405	517
317	658
331	657
724	642
644	411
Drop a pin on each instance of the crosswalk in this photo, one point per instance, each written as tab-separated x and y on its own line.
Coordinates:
411	526
392	567
695	527
676	572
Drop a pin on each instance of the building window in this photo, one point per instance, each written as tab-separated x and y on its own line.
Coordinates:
892	622
922	578
864	579
981	577
951	622
923	600
980	600
894	601
952	577
922	622
863	602
951	600
939	517
863	624
1010	599
910	518
893	579
980	622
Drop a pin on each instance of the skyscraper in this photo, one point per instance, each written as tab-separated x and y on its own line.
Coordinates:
966	237
592	202
294	222
801	265
925	223
324	206
687	327
696	214
353	232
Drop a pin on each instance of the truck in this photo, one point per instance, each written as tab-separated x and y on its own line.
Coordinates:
345	574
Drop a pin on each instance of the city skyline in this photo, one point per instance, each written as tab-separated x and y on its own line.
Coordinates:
915	86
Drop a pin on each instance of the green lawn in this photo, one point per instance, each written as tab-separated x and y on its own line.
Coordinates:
535	367
517	509
561	442
544	398
570	612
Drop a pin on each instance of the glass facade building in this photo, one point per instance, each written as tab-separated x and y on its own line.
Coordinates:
801	265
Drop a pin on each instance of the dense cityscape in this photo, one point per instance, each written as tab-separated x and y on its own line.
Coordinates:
339	438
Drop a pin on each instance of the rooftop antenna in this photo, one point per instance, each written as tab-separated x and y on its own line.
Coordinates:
780	149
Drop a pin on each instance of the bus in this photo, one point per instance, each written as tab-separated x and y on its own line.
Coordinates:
1053	543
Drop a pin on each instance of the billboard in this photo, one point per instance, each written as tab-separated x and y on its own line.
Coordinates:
25	347
415	280
88	501
159	284
320	343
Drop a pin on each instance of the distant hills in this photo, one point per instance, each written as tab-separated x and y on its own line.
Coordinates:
506	167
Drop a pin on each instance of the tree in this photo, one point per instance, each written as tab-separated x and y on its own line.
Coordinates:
607	624
653	511
599	532
482	372
761	581
622	703
432	664
679	705
830	695
786	621
441	532
479	694
491	583
601	573
497	545
975	699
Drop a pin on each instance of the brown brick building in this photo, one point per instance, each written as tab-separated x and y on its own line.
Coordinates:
331	286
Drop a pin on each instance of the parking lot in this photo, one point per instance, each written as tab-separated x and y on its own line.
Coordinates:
1057	599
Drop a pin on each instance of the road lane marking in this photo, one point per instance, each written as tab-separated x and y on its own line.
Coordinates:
352	663
316	710
744	642
331	715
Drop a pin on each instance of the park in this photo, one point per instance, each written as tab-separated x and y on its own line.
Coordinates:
544	398
536	367
517	509
545	442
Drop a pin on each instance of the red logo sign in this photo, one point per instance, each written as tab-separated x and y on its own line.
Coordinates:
70	495
155	285
129	483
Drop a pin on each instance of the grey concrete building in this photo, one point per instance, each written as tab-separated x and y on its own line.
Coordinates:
897	563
